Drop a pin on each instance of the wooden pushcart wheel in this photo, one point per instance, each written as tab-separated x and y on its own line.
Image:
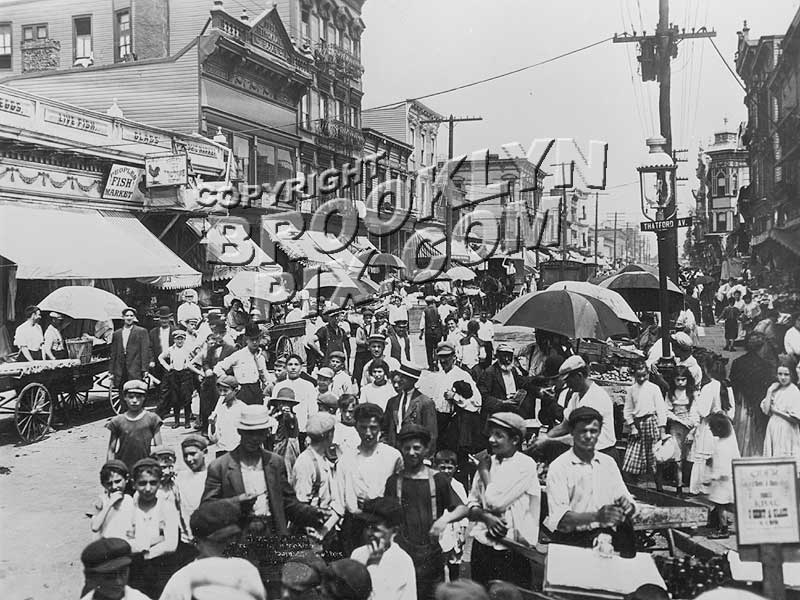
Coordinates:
73	402
283	347
115	400
33	412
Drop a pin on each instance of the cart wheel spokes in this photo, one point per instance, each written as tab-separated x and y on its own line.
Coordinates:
73	402
115	400
283	347
33	412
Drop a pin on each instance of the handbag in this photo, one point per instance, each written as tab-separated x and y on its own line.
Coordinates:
667	450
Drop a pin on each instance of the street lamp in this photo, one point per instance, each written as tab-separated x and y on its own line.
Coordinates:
657	175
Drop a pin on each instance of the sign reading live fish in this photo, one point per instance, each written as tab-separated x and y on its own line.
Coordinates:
165	170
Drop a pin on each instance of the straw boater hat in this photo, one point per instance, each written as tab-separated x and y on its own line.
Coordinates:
255	417
164	312
409	371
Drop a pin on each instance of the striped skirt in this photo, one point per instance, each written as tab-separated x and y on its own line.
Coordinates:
639	456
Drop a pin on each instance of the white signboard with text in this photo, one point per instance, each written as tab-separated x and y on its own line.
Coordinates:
122	181
766	501
165	170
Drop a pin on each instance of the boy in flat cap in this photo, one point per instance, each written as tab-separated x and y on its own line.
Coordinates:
389	566
106	565
312	477
424	496
178	362
504	502
191	481
134	431
226	415
342	382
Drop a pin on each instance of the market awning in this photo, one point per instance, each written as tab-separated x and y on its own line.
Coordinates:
786	239
51	242
314	247
223	262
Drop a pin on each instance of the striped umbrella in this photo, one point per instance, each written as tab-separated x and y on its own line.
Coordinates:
564	312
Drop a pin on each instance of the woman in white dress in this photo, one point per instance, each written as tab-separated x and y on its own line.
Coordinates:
782	405
715	396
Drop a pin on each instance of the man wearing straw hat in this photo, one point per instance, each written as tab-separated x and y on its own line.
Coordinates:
409	407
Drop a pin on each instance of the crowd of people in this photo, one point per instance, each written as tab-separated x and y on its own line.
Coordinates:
405	472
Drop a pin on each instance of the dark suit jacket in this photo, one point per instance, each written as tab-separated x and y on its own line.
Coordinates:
224	480
420	411
155	342
494	393
138	356
210	361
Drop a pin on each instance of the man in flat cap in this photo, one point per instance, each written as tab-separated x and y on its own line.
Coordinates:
191	482
585	491
377	346
105	564
160	339
431	330
502	386
131	354
312	477
398	342
216	349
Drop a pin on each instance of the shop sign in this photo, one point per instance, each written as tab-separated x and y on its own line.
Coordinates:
15	106
765	491
75	121
122	182
165	170
142	136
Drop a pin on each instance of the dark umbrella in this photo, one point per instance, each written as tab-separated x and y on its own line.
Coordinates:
561	311
641	290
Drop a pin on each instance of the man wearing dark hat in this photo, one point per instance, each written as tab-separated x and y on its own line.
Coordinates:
431	330
257	479
390	567
377	346
301	577
216	525
399	342
191	482
130	351
105	563
502	386
585	490
249	366
409	407
424	495
160	339
331	337
346	579
216	349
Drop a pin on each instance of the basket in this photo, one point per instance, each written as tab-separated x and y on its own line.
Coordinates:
81	349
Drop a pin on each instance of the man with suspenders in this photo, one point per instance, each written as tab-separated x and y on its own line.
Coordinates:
312	477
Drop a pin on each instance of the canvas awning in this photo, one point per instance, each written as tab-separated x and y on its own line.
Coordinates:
53	242
224	261
314	247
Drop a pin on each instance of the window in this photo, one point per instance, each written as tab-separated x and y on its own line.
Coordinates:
422	149
340	110
81	37
122	35
32	33
354	116
411	133
5	45
721	184
357	48
323	33
305	111
265	164
333	35
305	24
346	43
323	106
241	152
722	222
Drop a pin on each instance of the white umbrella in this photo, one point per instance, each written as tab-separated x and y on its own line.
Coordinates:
84	302
257	284
617	303
461	273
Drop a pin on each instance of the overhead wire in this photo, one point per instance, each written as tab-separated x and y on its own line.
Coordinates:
727	66
643	129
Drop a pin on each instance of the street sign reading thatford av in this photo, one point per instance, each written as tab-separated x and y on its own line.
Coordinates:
666	224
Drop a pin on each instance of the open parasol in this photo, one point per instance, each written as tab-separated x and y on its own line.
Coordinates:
564	312
373	258
617	303
461	273
260	285
641	290
84	302
429	276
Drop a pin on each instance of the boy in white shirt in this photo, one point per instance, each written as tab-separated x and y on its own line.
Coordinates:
114	509
178	363
380	390
226	416
389	566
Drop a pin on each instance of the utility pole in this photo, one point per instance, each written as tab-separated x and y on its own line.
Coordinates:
564	223
596	202
448	213
655	55
615	240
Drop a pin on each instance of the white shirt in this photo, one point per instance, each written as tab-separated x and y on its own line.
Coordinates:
306	395
294	315
238	573
343	384
469	354
485	331
645	399
359	476
246	366
226	422
597	398
508	380
393	578
791	341
444	311
163	336
690	363
53	340
397	313
345	438
377	394
126	334
255	483
513	493
190	486
573	485
434	385
118	520
311	470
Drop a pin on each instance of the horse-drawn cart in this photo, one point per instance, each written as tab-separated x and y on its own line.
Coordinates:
40	387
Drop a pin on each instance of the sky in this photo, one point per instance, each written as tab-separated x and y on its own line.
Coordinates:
414	47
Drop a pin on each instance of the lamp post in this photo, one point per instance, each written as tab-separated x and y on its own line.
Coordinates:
657	176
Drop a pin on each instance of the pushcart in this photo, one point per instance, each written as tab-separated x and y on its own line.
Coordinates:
286	338
40	387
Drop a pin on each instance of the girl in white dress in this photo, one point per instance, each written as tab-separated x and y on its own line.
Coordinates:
782	405
715	396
